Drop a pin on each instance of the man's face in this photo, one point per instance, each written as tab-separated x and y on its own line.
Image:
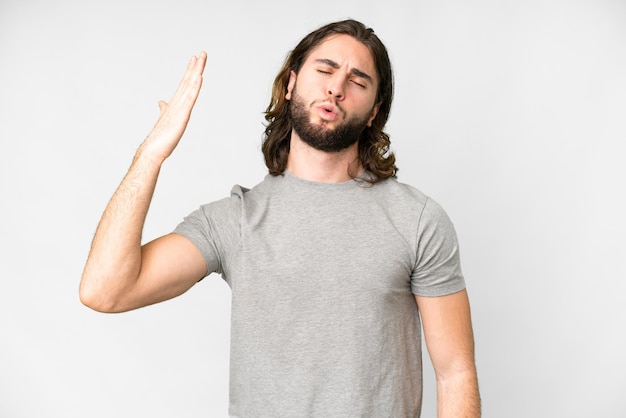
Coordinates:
333	95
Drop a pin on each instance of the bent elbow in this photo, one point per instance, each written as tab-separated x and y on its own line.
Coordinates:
93	301
96	298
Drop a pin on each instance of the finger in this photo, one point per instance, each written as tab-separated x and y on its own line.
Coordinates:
189	84
196	66
192	62
194	75
201	62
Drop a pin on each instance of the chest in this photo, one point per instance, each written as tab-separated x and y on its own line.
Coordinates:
327	249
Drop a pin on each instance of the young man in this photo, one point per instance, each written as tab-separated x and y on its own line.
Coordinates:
331	261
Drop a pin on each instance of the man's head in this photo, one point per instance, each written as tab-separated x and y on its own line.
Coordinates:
333	97
351	67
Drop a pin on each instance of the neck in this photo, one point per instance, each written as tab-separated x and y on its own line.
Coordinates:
312	164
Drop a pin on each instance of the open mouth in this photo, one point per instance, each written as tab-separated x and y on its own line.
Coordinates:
328	111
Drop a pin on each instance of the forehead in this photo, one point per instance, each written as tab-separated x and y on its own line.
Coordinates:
345	51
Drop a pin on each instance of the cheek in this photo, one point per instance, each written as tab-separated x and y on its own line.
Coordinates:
306	96
306	86
367	105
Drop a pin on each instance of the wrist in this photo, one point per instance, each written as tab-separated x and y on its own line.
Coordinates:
147	154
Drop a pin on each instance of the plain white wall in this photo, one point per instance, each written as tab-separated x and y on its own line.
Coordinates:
511	114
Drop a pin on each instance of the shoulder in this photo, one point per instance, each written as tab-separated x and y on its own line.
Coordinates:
395	188
401	197
239	195
244	196
418	206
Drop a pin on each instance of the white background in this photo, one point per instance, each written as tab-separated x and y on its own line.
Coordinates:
511	114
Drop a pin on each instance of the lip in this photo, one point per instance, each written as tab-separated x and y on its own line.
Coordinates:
328	111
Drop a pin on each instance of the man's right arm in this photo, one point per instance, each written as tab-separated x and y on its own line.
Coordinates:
120	273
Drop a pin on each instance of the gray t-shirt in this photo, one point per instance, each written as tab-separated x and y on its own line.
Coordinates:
324	321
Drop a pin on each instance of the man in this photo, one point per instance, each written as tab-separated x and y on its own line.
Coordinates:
331	261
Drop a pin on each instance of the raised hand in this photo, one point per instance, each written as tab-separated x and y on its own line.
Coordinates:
118	274
175	115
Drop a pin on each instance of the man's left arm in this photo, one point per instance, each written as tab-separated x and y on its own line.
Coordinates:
450	340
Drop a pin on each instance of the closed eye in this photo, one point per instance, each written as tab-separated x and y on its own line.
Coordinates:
328	65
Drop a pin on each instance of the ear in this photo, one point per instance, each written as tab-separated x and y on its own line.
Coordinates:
373	114
291	84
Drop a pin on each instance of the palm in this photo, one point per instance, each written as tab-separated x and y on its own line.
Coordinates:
175	115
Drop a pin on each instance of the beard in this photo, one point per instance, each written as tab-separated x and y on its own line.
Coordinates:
320	136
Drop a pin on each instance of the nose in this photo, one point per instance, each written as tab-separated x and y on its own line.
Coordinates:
335	87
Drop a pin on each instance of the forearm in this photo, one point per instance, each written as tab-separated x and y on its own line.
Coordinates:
114	261
458	395
114	265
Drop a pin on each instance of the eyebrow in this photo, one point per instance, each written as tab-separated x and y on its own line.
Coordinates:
354	71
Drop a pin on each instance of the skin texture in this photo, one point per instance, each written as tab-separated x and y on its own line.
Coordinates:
339	75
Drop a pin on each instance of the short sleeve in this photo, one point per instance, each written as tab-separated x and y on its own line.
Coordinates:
215	229
437	271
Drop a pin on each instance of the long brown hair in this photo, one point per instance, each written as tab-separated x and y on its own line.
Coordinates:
374	152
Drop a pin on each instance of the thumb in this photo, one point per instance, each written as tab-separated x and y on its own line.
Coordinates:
162	105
